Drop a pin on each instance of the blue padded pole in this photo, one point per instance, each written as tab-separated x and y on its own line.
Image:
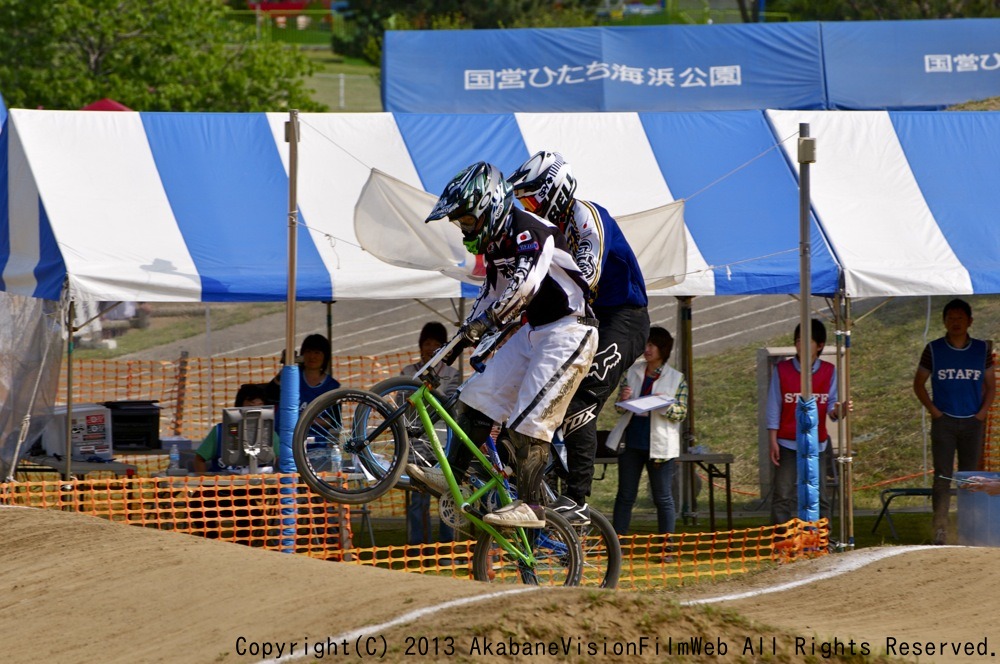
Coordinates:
807	442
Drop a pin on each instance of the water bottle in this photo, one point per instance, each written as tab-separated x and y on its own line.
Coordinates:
175	457
336	459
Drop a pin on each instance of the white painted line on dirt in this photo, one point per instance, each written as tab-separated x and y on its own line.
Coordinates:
743	333
405	618
848	563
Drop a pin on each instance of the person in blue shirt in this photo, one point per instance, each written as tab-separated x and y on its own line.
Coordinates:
964	384
314	374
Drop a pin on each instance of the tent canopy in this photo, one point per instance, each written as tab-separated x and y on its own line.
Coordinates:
193	207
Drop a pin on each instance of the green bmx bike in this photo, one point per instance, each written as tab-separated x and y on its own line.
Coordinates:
372	435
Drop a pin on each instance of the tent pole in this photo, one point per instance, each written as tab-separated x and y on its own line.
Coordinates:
689	510
807	155
842	459
329	320
292	137
808	465
68	452
289	401
461	319
847	479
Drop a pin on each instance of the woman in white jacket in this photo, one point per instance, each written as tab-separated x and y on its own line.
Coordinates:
651	439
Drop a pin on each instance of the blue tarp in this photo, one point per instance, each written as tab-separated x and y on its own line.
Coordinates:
850	65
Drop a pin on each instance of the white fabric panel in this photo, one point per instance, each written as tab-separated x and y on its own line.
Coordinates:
389	223
110	216
871	207
22	207
336	153
614	167
659	241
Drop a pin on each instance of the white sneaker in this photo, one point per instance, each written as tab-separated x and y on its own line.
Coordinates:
430	478
517	515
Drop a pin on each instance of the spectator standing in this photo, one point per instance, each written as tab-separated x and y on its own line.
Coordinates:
782	397
432	337
314	374
651	439
964	384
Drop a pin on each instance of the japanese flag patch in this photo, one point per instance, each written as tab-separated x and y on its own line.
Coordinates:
525	242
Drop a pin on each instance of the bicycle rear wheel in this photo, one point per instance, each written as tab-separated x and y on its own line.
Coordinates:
557	556
348	417
602	552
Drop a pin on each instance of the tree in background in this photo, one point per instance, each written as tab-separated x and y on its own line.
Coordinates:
371	18
882	10
151	55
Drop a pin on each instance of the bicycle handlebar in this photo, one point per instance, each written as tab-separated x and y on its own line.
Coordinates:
422	373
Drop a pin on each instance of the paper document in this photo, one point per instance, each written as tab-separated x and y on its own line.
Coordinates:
646	404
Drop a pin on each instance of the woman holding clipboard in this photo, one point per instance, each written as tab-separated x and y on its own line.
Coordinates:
653	403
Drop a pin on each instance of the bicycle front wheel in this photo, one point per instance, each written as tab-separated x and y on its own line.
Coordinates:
602	552
348	418
556	549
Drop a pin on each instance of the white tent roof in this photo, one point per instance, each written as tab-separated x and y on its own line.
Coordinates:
193	207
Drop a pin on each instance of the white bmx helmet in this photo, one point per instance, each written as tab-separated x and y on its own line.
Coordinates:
545	185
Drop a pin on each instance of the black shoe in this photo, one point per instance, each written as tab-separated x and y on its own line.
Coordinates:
577	515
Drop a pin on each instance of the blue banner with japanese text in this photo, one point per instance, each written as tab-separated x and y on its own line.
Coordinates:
916	65
894	65
659	68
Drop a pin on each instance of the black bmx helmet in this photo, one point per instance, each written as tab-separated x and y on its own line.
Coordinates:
545	185
478	200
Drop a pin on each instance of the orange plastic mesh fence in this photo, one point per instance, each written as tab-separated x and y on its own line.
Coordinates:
192	391
246	509
991	445
647	561
249	510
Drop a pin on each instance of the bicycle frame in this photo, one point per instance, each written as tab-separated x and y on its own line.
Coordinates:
420	400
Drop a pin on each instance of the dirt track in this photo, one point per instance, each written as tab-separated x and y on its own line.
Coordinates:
80	589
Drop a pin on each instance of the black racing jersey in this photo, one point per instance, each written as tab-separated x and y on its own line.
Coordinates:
530	269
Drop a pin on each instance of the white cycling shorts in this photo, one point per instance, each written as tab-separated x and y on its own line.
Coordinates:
530	380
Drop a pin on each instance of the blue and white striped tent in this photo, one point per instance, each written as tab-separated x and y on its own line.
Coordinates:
193	207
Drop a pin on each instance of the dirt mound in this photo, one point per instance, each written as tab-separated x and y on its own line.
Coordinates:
81	589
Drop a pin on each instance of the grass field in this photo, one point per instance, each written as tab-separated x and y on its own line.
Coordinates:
344	84
886	424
